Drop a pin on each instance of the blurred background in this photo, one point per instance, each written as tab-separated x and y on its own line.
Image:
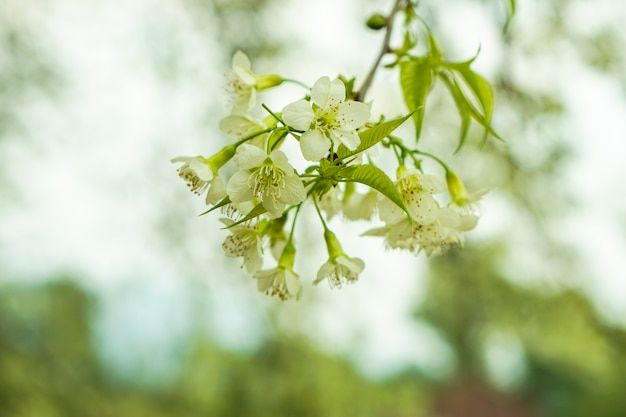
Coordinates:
117	300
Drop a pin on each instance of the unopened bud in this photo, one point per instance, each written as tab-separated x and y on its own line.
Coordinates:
376	21
264	82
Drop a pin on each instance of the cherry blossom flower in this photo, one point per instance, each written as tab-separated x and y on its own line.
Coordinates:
281	281
340	268
201	176
444	232
269	178
242	126
244	83
328	119
417	191
244	242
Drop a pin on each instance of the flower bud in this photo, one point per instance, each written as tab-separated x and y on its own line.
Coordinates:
376	21
221	158
263	82
460	196
456	188
288	257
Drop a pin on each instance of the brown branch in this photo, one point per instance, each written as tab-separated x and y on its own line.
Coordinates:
360	96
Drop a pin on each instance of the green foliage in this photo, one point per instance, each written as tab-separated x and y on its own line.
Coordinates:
472	94
376	179
416	77
372	136
49	368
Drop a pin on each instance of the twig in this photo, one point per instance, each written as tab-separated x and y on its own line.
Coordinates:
385	49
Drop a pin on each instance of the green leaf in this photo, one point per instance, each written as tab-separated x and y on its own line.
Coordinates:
221	203
376	179
372	136
416	79
480	102
461	104
255	212
510	14
482	92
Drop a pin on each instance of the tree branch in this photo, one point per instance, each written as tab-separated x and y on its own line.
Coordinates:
360	96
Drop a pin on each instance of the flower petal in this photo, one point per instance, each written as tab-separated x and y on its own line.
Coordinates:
249	156
280	160
265	278
240	126
238	189
324	272
314	145
253	261
293	284
294	192
298	115
355	265
274	207
422	206
244	101
241	60
243	69
353	114
217	190
389	212
320	91
349	138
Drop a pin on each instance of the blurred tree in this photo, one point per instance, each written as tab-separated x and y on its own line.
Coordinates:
49	368
518	290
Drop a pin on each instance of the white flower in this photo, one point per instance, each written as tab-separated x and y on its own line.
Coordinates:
417	191
444	232
244	242
244	83
217	190
340	268
270	178
199	175
327	119
241	126
279	281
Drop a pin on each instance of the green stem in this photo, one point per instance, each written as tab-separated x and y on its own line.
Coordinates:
433	157
252	136
301	84
272	113
319	213
293	224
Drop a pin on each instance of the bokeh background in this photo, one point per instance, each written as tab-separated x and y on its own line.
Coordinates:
116	298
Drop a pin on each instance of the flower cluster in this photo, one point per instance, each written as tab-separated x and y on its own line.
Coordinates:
261	201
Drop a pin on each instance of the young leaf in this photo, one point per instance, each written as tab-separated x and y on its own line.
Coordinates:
510	14
327	169
371	137
481	90
376	179
461	104
221	203
475	91
416	80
